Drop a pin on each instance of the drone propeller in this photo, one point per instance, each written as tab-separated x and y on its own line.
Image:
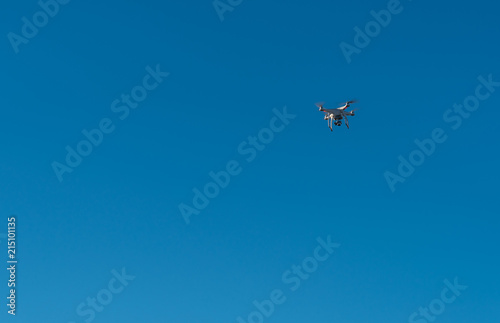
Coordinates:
320	104
348	102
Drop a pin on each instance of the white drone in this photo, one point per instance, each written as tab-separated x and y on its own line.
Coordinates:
337	114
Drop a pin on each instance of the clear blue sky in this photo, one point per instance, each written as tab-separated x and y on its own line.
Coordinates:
120	206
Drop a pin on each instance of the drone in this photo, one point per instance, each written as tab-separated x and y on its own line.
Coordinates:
337	114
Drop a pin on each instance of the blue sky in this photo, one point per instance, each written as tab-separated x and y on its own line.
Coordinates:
119	208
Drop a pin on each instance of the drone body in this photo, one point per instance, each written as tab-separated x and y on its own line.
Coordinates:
337	114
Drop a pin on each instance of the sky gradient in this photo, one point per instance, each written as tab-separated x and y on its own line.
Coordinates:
177	93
